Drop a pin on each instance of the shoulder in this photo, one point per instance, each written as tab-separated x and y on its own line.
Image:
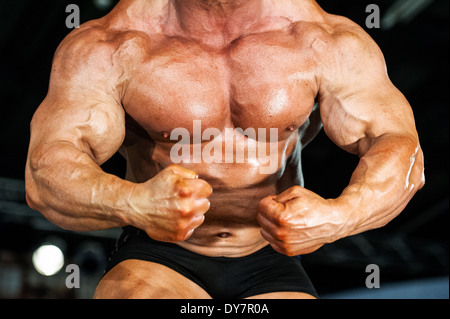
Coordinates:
345	53
346	43
98	47
336	40
333	35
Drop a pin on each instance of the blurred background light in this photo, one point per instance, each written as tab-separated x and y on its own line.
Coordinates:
103	4
48	259
403	11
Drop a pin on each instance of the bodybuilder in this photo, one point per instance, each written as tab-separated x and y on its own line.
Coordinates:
220	228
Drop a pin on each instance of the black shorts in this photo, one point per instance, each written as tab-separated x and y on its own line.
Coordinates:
262	272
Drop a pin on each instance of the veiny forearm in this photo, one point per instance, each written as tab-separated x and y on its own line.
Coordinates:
383	183
72	191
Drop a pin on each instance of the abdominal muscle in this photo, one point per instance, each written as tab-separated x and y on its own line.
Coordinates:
230	228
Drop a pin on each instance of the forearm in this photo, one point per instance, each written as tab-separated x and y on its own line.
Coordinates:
72	191
383	183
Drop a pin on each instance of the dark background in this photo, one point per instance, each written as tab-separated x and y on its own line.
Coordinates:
412	247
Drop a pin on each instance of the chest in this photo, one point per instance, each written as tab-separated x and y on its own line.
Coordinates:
257	82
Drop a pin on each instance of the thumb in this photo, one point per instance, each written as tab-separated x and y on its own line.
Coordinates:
289	194
268	206
183	172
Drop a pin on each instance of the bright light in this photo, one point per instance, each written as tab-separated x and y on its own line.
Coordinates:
103	4
48	260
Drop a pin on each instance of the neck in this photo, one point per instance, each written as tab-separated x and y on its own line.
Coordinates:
218	20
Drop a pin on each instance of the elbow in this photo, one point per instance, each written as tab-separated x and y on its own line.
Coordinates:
31	191
421	170
37	195
34	193
421	184
35	181
35	201
417	183
32	200
416	174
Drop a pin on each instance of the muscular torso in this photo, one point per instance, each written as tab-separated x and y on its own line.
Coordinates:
264	79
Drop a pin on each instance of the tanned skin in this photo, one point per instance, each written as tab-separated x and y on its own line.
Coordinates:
125	81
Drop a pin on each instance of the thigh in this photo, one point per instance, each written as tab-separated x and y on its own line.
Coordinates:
138	279
283	295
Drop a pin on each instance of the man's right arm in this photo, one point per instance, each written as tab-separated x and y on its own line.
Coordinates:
79	126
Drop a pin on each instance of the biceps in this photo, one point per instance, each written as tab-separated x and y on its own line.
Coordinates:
356	121
97	129
103	131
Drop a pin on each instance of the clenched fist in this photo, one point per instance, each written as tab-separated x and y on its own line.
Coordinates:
299	221
170	206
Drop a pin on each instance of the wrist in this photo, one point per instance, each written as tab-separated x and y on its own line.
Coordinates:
343	207
123	191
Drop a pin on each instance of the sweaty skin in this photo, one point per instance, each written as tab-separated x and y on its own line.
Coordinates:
126	81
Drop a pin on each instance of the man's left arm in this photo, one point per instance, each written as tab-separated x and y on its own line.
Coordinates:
364	114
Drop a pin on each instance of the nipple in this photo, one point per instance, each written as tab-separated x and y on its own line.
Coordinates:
165	134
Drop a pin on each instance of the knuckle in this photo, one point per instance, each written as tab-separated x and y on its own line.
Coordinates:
202	205
279	234
184	191
179	184
180	226
184	207
264	204
287	250
171	167
290	253
180	237
283	220
185	210
282	249
168	171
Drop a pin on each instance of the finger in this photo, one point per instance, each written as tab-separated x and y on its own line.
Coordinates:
289	194
277	249
198	188
270	208
201	206
275	243
197	221
182	171
289	250
264	222
189	234
274	230
268	236
309	249
188	207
